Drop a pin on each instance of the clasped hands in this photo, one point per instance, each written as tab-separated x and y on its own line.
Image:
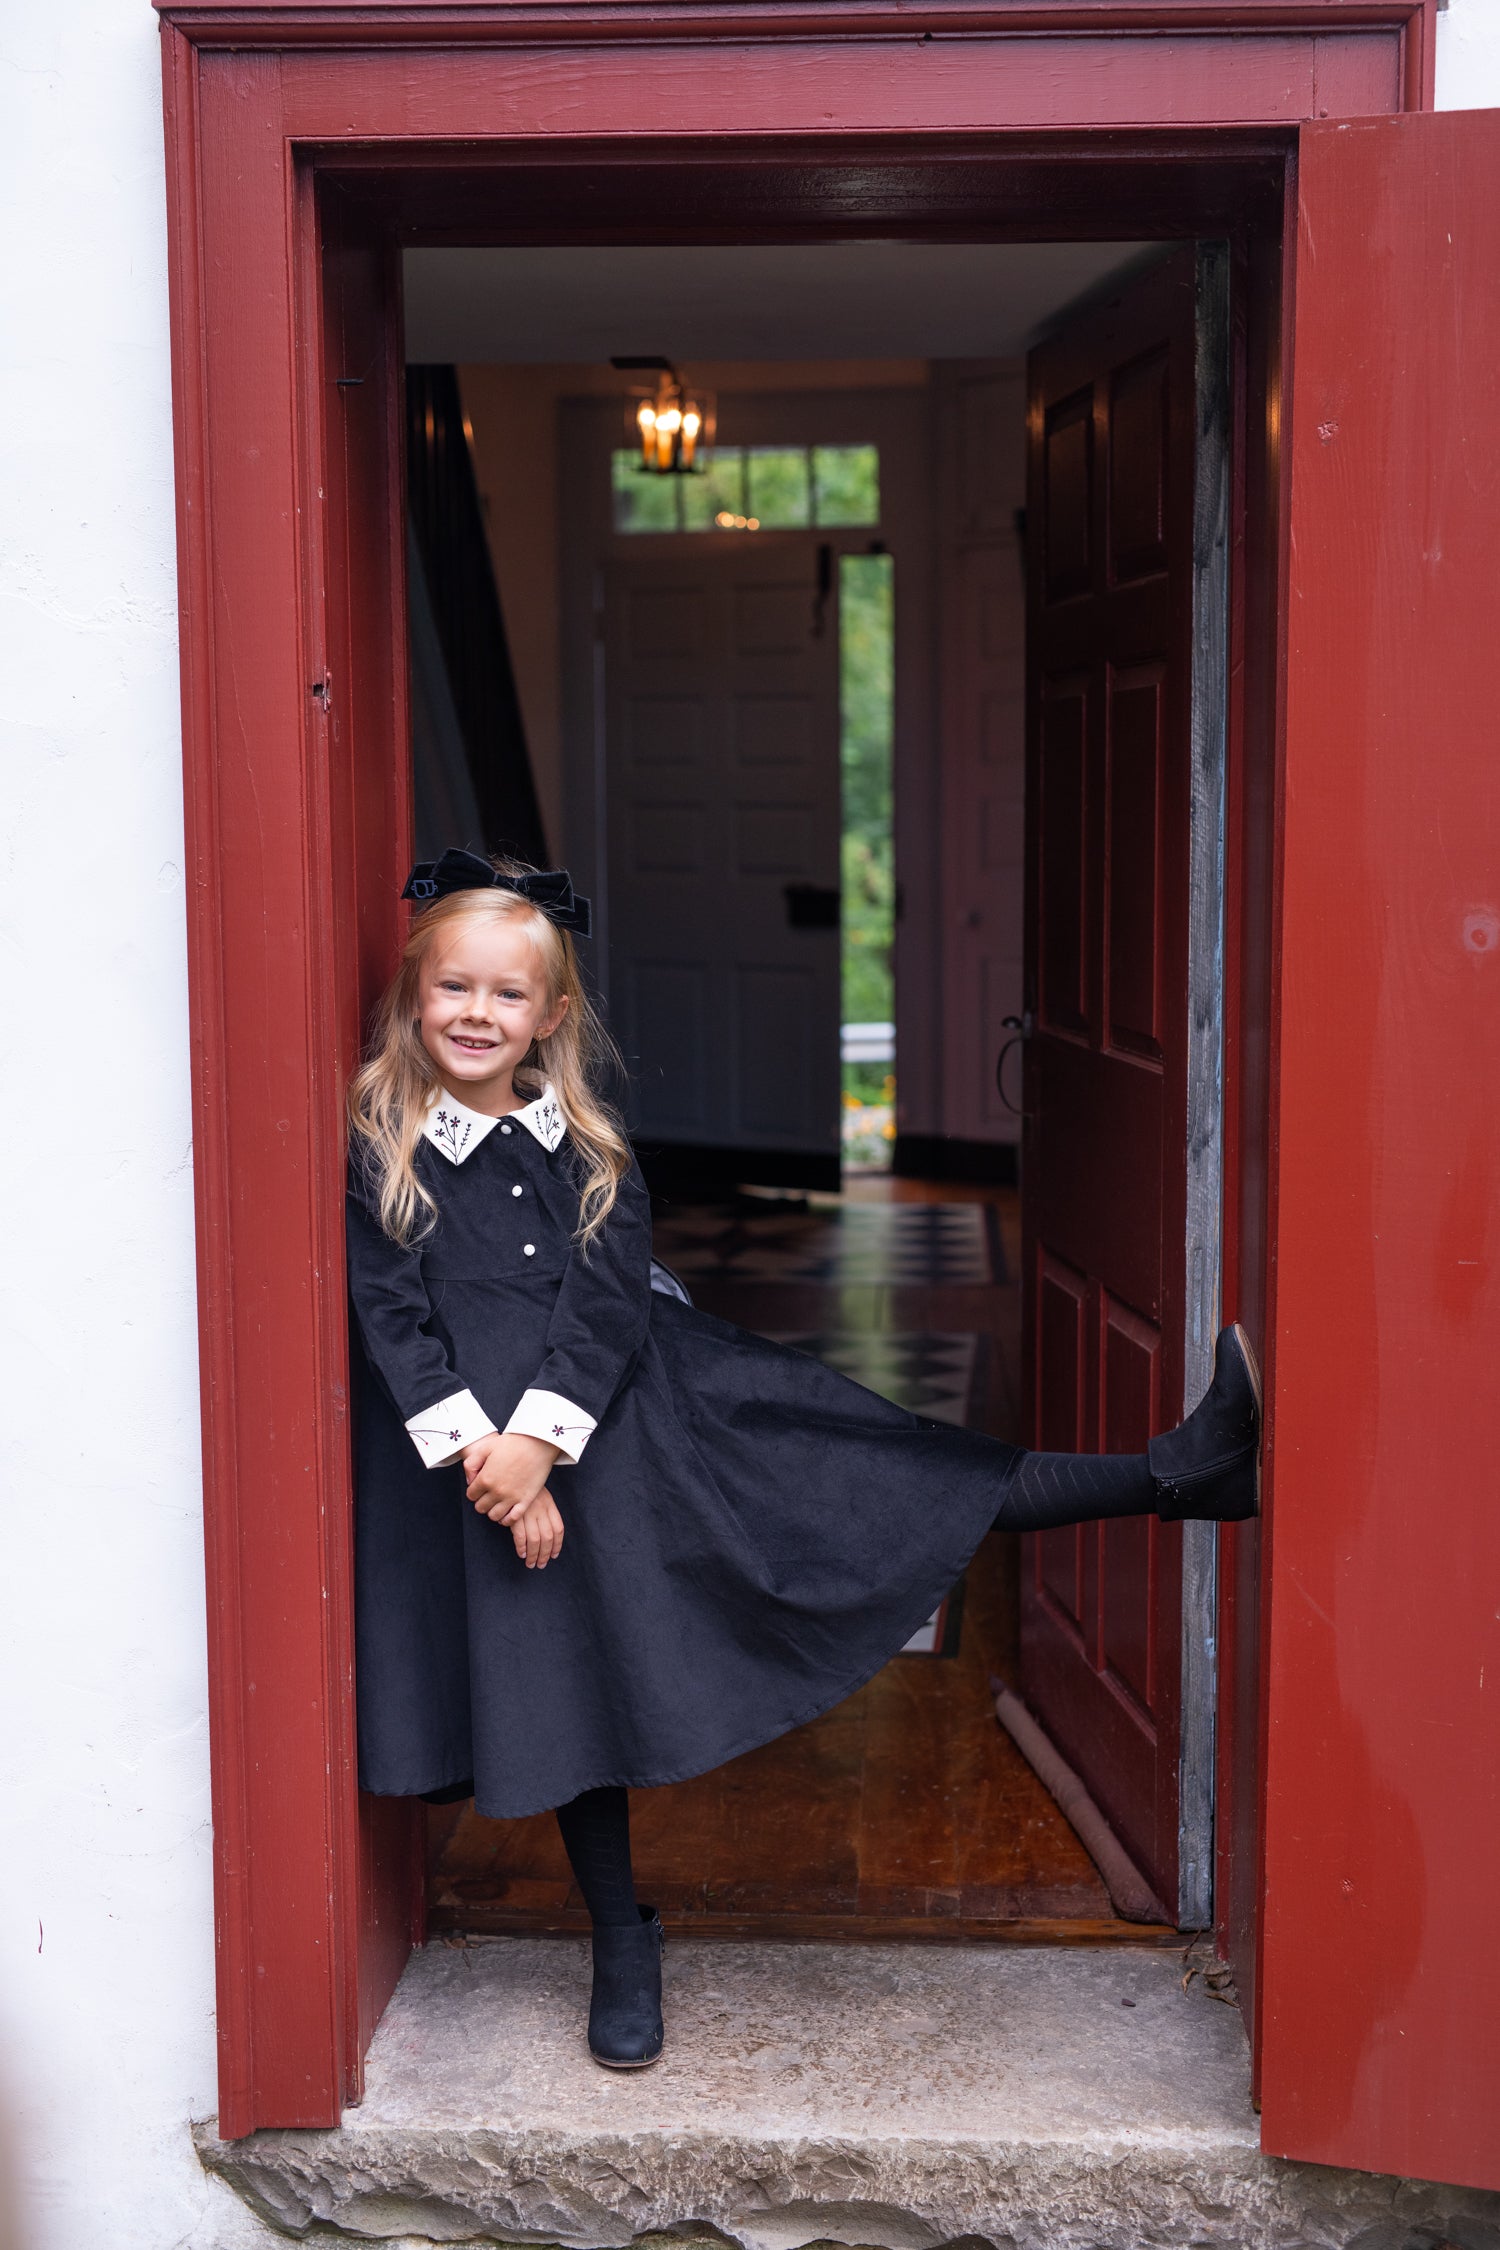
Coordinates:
507	1481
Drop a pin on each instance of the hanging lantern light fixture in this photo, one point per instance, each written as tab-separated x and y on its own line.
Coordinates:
672	422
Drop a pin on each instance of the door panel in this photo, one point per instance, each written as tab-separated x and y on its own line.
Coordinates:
1109	627
1062	1314
1063	872
1380	1988
1139	431
1132	817
722	719
1094	1202
1066	486
1127	1613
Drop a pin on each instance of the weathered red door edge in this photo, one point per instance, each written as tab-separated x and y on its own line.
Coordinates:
1259	305
259	99
1381	2013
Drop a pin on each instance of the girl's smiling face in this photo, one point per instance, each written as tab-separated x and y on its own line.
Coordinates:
484	999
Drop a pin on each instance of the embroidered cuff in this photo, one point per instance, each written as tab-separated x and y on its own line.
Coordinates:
446	1430
543	1414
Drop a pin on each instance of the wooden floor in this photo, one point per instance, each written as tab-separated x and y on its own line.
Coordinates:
907	1811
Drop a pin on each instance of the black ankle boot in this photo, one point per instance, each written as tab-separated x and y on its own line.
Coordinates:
625	2030
1208	1468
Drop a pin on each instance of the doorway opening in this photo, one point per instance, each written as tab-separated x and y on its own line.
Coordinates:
828	497
867	866
775	716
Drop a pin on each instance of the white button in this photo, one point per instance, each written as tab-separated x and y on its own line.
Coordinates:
515	1191
505	1128
531	1249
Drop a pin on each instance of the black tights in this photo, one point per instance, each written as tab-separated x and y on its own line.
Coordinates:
1048	1490
1044	1491
596	1836
595	1831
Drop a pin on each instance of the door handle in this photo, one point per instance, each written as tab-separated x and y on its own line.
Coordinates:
825	588
811	906
1020	1028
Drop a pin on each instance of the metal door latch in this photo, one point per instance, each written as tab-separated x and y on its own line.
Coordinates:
1020	1027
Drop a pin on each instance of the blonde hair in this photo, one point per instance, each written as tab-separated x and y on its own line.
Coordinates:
390	1095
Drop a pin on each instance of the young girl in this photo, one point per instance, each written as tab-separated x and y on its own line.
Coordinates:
603	1540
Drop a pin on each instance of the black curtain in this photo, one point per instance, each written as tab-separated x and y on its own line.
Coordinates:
447	528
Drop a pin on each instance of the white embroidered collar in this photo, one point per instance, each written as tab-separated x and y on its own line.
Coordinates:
457	1130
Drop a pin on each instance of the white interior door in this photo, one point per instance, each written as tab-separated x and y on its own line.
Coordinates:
722	794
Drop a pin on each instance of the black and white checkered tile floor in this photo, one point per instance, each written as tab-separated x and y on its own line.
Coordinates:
926	1372
827	1243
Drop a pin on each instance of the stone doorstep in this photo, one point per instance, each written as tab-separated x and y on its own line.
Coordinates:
894	2097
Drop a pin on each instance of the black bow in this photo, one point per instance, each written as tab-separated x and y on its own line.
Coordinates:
551	890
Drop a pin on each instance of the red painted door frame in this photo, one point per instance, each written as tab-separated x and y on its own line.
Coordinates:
443	121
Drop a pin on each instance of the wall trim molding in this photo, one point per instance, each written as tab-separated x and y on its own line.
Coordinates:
348	26
380	23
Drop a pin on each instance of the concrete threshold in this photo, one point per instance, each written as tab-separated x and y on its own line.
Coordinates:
897	2096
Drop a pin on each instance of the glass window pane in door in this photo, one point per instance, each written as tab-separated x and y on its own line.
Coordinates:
846	484
780	487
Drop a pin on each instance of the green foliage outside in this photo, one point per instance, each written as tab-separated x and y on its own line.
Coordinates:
720	490
780	487
846	484
785	488
866	714
866	684
643	503
796	487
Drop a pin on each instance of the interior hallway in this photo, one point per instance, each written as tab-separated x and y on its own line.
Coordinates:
906	1811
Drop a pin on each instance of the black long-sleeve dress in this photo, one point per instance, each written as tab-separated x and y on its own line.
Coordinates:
748	1535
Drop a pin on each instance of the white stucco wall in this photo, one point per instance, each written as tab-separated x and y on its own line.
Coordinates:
106	1992
1468	55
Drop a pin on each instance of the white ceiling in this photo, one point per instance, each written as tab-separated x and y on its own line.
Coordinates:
847	300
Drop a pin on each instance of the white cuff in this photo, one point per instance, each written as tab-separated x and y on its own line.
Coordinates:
543	1414
447	1430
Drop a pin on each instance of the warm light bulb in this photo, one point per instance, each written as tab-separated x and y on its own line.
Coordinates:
692	423
646	415
671	420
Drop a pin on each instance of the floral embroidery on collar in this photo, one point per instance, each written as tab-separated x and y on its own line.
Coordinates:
450	1132
457	1130
543	1118
454	1128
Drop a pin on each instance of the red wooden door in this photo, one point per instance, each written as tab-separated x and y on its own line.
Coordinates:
370	769
1380	1984
1110	539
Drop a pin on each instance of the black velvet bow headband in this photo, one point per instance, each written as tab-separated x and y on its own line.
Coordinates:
552	891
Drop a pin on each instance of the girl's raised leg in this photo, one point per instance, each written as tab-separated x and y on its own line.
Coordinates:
1207	1468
